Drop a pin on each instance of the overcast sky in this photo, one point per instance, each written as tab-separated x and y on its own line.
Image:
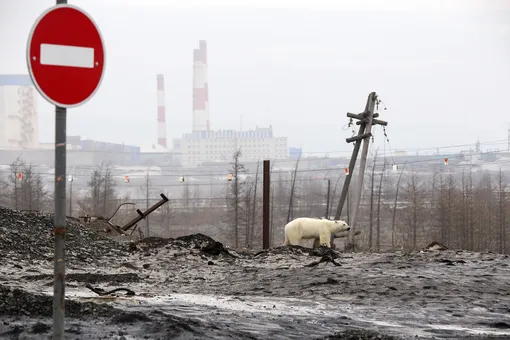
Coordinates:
442	68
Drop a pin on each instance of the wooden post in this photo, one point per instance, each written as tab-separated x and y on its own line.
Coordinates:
265	206
347	180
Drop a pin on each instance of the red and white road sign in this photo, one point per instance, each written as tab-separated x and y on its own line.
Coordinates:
66	56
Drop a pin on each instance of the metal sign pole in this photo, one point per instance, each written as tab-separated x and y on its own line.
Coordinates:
60	219
60	223
74	81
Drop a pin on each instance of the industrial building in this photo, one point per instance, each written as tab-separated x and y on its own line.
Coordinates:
204	145
19	127
219	146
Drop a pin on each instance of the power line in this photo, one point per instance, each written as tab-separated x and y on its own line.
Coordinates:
428	159
451	146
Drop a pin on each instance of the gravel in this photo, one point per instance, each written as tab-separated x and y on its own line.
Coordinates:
28	235
194	287
15	301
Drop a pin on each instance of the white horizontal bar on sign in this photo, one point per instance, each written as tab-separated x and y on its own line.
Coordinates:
64	55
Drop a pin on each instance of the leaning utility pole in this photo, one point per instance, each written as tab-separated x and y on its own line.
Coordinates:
365	120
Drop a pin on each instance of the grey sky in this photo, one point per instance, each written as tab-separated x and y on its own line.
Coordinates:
441	67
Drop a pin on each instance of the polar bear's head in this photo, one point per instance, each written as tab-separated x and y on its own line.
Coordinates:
338	227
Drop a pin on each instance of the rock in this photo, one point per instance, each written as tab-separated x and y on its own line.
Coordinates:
435	246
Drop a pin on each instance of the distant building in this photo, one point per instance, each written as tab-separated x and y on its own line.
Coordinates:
19	127
219	146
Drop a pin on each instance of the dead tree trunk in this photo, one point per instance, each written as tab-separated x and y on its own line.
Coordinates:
289	214
395	208
378	222
236	198
502	222
254	208
371	213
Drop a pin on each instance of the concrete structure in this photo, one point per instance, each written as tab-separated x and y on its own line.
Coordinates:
161	112
200	89
219	146
19	127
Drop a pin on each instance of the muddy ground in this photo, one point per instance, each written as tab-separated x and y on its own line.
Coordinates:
285	293
194	288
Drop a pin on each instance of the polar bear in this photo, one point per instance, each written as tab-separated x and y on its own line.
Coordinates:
310	228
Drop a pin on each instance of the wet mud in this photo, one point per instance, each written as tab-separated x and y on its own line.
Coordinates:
196	288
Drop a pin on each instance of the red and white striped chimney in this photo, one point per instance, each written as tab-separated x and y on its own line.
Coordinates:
200	89
161	111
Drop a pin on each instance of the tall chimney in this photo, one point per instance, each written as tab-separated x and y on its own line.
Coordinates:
200	89
161	112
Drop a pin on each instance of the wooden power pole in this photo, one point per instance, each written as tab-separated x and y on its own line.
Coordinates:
366	120
265	205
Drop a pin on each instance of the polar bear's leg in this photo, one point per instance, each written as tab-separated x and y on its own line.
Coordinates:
294	240
325	238
286	242
316	243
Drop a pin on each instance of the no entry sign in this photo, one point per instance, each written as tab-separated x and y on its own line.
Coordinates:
65	56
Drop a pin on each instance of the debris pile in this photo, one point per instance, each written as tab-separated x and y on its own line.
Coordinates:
201	242
29	236
435	246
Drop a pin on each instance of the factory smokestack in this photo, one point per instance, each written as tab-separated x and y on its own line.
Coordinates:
200	89
161	111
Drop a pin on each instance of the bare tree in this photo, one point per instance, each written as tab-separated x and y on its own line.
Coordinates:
247	207
414	188
292	189
4	195
271	226
146	189
502	218
26	192
196	198
378	222
166	216
16	167
371	212
100	199
470	211
254	207
395	207
234	194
